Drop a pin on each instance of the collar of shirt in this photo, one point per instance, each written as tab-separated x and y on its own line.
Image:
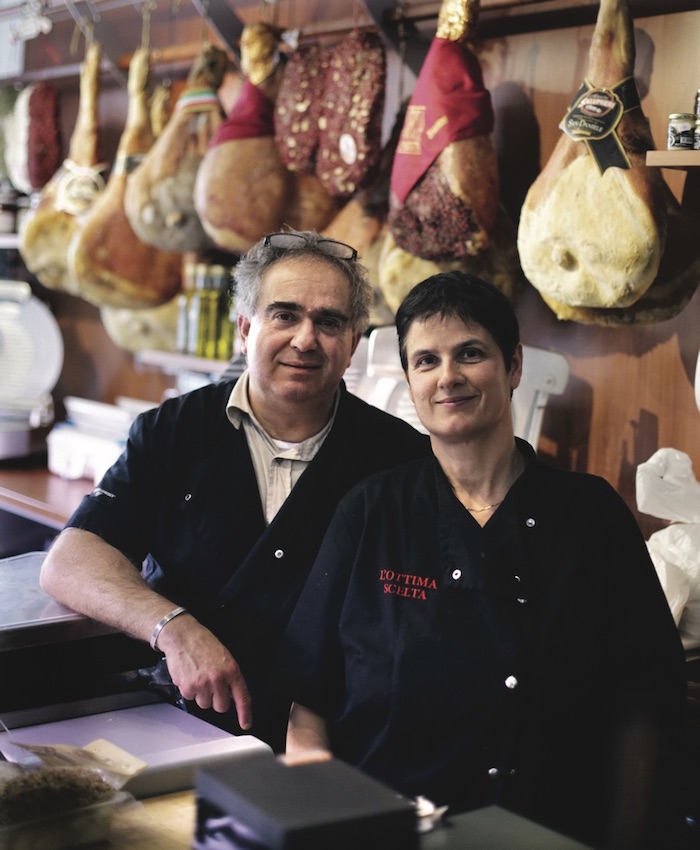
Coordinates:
278	464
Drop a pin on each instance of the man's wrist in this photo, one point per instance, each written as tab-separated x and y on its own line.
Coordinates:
160	625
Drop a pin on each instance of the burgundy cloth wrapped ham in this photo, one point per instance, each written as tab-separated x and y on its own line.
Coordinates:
159	196
251	117
444	181
449	103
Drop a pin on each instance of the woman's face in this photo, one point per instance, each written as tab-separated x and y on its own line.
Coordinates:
457	378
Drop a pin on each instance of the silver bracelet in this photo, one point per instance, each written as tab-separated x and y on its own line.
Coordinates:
164	622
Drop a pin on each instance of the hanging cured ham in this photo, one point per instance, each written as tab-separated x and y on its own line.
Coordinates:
50	224
601	236
159	197
445	192
446	169
243	189
400	271
109	263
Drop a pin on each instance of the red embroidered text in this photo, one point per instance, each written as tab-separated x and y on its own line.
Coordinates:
406	584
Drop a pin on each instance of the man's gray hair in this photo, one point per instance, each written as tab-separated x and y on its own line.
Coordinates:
251	268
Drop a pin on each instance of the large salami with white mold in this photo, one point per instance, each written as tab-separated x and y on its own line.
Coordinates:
350	141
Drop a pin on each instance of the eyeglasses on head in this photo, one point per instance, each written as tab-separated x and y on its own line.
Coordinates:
332	247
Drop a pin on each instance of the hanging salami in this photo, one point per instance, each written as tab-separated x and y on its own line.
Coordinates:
298	106
350	140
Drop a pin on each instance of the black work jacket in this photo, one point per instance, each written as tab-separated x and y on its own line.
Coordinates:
486	665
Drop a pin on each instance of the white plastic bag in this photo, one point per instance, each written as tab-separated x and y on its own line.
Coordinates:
675	584
667	488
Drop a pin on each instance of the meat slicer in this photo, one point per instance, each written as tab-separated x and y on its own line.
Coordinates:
31	359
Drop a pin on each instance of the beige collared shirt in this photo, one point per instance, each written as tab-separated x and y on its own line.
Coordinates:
278	464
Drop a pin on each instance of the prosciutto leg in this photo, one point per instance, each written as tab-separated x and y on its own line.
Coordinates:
159	196
445	184
592	235
110	265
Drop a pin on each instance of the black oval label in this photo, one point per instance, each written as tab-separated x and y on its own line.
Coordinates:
594	115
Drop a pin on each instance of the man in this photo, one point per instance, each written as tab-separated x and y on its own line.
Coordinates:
224	494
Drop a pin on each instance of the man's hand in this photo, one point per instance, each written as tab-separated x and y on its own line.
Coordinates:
88	575
203	669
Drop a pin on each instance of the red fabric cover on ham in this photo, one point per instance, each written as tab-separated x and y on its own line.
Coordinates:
449	103
251	116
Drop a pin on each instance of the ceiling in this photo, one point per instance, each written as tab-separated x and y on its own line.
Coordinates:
175	29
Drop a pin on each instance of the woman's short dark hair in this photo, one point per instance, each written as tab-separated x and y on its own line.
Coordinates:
467	297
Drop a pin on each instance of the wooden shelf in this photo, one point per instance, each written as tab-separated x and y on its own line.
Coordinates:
673	159
29	490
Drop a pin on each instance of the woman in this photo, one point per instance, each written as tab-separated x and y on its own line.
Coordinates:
480	628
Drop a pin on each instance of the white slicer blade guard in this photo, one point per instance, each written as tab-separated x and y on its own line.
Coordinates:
31	359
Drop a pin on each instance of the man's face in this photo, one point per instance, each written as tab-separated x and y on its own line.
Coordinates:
300	340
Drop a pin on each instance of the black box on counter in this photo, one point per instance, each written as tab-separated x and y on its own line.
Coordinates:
261	803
